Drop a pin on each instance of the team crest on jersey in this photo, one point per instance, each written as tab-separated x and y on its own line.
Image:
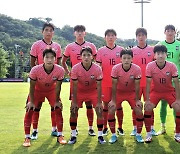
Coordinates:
54	78
117	54
92	76
177	48
131	76
149	53
167	73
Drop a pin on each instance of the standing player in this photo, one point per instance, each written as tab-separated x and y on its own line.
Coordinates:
37	58
107	57
161	72
72	51
86	77
173	55
125	87
46	80
142	55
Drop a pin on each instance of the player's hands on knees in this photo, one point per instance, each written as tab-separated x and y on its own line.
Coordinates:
139	104
99	107
30	106
58	104
112	105
176	105
74	107
148	105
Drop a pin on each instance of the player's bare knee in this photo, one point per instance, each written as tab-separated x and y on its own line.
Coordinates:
137	110
176	107
148	107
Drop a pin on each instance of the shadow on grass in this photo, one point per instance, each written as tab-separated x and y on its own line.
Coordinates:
117	147
149	148
173	145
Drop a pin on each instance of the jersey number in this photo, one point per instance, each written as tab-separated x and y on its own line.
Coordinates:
112	61
162	80
170	55
79	57
143	60
86	83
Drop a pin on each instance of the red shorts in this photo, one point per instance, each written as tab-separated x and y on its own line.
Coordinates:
87	96
125	96
142	92
39	97
106	94
155	97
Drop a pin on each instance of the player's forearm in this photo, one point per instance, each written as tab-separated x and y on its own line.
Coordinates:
177	89
64	65
31	93
99	91
137	89
58	90
74	92
114	90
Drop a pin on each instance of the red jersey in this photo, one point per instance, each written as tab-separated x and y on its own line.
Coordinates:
141	57
39	46
72	51
161	77
86	78
108	58
126	78
46	82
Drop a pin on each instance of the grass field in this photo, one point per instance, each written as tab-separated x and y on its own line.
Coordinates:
12	102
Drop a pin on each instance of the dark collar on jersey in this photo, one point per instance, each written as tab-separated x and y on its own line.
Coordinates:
143	47
126	70
80	44
46	43
48	72
170	43
85	68
161	67
111	48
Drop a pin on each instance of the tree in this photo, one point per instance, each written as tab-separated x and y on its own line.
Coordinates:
4	63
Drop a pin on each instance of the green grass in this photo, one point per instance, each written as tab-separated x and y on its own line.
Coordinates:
12	102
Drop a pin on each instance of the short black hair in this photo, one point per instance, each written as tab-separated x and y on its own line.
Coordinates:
168	27
141	30
160	48
50	50
48	25
126	51
79	28
110	31
87	48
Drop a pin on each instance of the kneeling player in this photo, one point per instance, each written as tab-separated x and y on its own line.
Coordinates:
125	86
86	77
161	72
46	80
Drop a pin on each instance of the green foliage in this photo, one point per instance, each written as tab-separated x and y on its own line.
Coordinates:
4	63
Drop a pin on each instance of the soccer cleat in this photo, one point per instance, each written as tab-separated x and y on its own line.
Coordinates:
120	131
54	133
91	132
27	142
177	138
101	140
148	139
72	140
139	139
61	140
105	131
113	139
153	132
34	135
162	131
133	133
